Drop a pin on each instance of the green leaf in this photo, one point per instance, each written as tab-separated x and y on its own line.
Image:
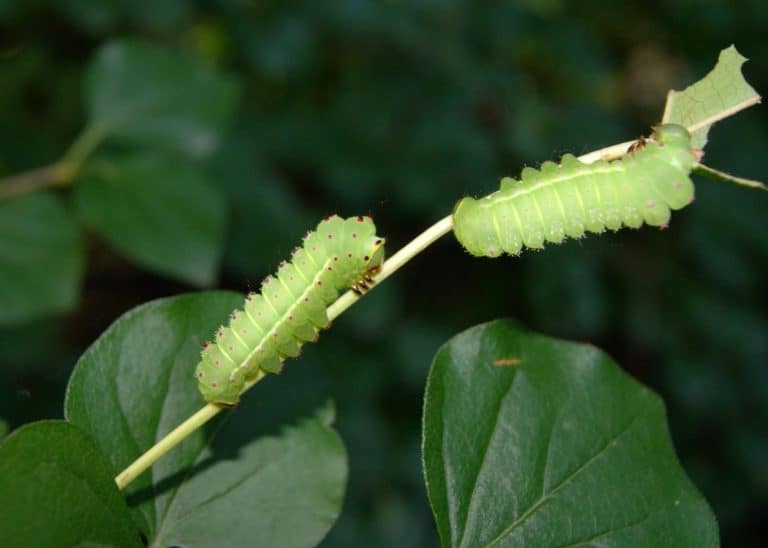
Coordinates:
144	94
136	383
3	428
57	489
279	491
160	212
721	93
41	258
531	441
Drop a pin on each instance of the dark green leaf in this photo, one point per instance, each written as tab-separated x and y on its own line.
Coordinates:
41	258
160	212
136	383
144	94
57	489
531	441
277	491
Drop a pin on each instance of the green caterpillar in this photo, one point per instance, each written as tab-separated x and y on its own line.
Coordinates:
273	325
566	200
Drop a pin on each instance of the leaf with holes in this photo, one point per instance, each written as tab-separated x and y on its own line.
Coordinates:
531	441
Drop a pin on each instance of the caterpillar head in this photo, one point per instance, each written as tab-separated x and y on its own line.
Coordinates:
375	256
671	134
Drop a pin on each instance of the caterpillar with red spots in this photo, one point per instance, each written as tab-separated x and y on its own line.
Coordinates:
568	199
291	308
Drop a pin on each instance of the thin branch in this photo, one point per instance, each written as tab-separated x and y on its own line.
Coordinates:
416	246
173	438
607	153
718	175
28	181
59	174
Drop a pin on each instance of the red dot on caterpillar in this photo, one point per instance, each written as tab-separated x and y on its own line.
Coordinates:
317	284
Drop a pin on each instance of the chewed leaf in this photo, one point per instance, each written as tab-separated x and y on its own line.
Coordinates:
720	94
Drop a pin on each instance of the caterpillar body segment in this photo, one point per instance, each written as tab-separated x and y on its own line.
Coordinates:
290	309
565	200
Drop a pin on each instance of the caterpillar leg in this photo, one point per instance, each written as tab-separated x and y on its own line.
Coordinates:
366	282
637	145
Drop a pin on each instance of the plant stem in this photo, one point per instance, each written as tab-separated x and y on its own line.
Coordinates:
59	174
416	246
81	148
21	183
718	175
173	438
413	248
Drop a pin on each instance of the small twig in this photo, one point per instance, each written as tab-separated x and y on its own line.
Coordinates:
21	183
718	175
59	174
173	438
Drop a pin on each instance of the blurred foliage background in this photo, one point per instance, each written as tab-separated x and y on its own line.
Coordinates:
282	112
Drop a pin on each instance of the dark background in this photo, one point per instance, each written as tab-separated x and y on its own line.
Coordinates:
397	109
